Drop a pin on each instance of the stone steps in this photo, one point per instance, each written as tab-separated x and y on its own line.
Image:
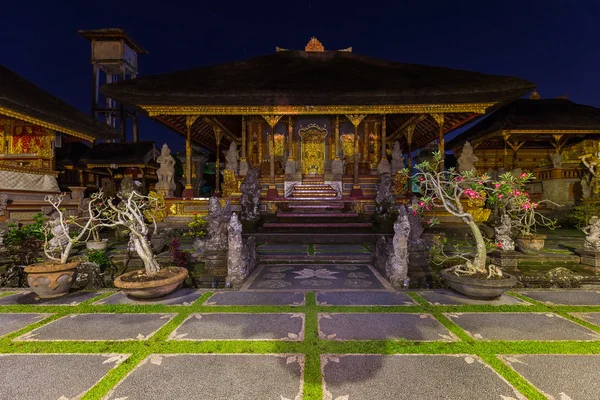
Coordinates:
316	206
330	258
317	215
319	225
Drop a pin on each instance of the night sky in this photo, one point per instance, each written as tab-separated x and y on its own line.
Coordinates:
553	43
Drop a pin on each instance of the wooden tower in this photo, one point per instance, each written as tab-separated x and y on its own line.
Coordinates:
114	59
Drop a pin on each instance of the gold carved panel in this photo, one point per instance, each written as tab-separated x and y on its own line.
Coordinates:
279	142
347	145
313	149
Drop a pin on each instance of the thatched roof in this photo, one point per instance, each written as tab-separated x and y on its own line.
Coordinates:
317	78
534	118
23	100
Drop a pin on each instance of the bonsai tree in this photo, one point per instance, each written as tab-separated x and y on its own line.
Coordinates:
63	232
131	213
446	189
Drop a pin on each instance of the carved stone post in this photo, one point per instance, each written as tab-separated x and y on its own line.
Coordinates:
356	120
218	136
272	120
188	192
384	165
243	159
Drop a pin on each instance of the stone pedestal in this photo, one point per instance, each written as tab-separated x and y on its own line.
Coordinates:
166	190
290	167
591	258
337	167
243	167
384	167
504	258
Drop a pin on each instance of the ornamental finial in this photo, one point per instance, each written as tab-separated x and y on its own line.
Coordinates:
314	45
534	95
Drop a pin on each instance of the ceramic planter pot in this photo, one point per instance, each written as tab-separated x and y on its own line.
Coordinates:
482	289
48	280
171	279
97	245
531	244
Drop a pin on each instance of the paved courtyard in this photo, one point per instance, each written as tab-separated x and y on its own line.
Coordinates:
301	344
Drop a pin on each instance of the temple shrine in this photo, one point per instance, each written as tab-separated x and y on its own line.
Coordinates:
321	125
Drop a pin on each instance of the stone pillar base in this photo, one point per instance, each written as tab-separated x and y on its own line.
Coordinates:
243	167
166	193
504	258
384	167
356	191
290	167
591	258
337	167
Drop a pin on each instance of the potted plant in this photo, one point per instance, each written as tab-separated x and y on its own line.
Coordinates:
132	213
55	277
514	201
96	243
472	277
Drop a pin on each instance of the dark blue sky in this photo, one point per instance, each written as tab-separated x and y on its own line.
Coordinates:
554	43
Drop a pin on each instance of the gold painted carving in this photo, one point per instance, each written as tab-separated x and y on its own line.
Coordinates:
314	45
272	120
272	208
230	184
400	180
313	149
347	145
279	142
355	118
155	110
158	212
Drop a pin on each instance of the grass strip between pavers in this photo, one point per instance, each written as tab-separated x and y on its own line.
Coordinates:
312	346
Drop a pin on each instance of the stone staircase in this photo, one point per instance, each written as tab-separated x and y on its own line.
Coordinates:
314	204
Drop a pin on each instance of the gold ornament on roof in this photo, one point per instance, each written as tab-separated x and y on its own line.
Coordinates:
534	95
314	45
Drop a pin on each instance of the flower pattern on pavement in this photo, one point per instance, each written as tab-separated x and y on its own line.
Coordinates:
315	273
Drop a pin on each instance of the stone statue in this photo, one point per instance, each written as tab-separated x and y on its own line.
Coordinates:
592	231
397	264
250	198
231	156
467	160
415	242
59	236
127	186
557	159
397	158
217	221
503	234
237	253
385	199
166	173
592	162
586	190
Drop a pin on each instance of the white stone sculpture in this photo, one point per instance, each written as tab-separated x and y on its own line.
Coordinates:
467	160
384	198
231	157
397	158
557	160
503	234
237	254
592	231
166	173
217	221
397	264
250	199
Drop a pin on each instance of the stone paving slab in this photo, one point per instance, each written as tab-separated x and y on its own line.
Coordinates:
181	297
241	326
12	322
521	326
214	377
447	297
350	248
315	277
565	297
364	299
53	376
559	376
283	247
29	298
95	327
256	299
412	377
591	317
382	326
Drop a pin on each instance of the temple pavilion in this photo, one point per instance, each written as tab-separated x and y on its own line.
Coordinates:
319	124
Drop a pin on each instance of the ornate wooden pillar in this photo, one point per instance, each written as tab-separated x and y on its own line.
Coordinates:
290	139
188	192
409	137
356	120
260	143
337	137
272	120
243	159
439	118
218	136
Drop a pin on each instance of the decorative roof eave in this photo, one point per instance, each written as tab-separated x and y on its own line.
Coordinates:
508	132
479	108
23	117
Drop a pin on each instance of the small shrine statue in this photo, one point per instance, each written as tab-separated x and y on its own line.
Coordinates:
231	156
397	158
467	160
592	231
557	159
503	233
592	162
166	172
385	199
